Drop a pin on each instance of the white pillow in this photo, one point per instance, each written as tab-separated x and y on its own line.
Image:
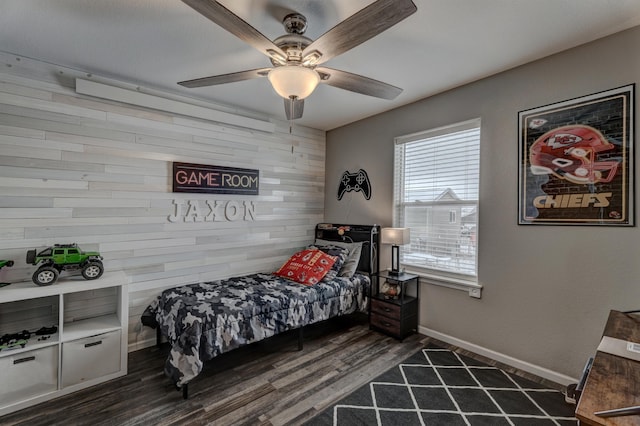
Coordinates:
351	264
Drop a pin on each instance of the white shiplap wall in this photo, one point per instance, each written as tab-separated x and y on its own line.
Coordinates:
79	169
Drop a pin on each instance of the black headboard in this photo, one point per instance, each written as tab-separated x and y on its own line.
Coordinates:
368	234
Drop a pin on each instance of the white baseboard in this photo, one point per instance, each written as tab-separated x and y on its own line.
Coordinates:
497	356
137	345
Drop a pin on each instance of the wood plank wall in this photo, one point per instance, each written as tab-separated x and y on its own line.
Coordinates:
79	169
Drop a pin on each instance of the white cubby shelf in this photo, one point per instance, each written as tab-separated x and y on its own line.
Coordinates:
88	347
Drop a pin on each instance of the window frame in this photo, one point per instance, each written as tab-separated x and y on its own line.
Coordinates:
460	281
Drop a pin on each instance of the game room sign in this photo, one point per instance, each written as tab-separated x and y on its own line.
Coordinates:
206	179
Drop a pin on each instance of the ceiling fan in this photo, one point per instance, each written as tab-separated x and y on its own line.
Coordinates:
296	59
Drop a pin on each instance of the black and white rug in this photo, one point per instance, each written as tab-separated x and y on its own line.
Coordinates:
440	387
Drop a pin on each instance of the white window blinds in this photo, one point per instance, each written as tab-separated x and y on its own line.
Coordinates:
436	195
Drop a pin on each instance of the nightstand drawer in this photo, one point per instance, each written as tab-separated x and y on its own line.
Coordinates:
386	309
398	316
387	324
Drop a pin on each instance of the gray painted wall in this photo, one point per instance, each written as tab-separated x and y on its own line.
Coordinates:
547	289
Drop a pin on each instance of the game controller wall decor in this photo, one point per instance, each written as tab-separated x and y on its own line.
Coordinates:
358	182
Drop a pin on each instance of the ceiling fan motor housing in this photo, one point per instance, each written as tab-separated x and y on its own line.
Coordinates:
292	45
295	23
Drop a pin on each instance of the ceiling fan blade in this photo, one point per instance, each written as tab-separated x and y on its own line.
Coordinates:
231	22
358	28
225	78
357	83
293	108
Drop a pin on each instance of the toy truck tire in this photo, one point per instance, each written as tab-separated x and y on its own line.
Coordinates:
45	275
92	270
31	256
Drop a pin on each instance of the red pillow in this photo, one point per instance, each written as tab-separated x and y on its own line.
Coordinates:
307	266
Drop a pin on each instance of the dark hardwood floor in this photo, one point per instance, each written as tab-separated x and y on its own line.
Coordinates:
266	383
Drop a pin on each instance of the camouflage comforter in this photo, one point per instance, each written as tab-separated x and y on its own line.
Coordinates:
202	321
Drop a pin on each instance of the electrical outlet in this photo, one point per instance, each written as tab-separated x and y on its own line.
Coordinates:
475	292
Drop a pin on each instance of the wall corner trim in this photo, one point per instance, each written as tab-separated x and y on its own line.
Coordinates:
105	91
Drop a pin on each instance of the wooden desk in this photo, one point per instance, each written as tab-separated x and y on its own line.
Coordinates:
613	382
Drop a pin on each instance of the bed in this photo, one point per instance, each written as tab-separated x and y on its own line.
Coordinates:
201	321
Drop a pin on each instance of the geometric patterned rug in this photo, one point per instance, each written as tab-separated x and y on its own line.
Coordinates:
440	387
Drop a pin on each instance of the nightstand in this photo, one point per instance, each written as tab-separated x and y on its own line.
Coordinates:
396	316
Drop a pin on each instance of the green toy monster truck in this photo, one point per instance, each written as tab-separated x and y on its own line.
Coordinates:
7	263
4	263
64	257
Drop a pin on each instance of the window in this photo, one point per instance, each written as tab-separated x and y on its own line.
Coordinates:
436	183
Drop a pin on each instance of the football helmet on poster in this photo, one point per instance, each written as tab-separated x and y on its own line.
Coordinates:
570	152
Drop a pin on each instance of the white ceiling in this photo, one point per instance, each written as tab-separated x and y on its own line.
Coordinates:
446	43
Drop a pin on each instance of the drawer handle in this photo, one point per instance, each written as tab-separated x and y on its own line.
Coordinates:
21	360
88	345
386	324
386	309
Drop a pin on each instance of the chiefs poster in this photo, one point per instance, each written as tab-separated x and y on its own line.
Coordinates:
576	161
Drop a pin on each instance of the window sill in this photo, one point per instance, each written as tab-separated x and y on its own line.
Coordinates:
471	287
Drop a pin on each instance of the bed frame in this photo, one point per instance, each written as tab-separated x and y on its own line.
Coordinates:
368	264
368	234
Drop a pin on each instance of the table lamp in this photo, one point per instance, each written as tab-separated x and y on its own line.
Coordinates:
396	237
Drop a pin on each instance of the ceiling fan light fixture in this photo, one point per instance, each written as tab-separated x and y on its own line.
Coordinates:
293	81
